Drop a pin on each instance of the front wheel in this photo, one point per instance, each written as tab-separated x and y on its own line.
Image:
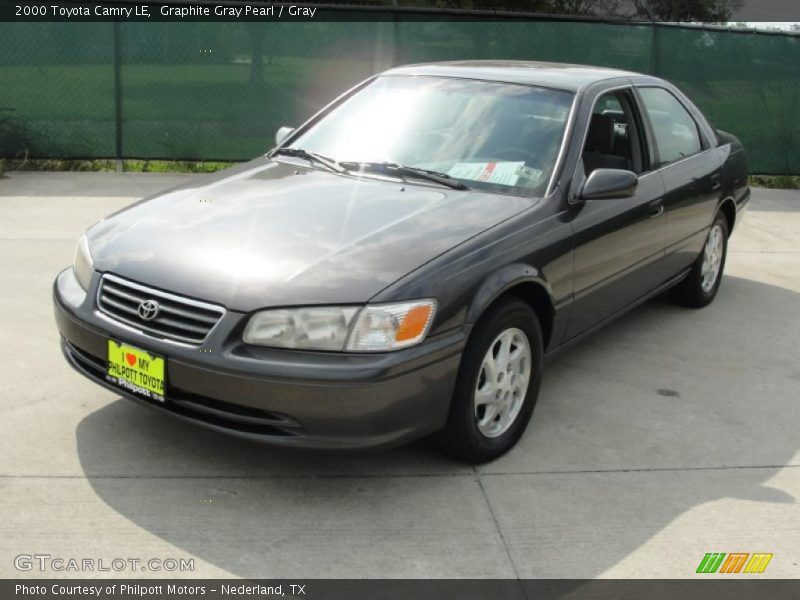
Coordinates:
702	283
498	383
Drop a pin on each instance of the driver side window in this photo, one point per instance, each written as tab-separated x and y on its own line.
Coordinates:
612	140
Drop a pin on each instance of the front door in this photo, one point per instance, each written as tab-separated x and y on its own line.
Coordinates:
618	243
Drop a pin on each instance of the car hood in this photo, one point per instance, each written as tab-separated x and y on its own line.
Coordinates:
270	233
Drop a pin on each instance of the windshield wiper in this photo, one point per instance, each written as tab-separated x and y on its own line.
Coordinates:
403	171
329	163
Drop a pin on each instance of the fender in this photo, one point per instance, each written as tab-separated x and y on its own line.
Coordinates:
503	280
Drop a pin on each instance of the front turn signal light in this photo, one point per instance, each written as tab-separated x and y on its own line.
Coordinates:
384	327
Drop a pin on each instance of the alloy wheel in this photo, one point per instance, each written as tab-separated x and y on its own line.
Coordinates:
712	258
502	382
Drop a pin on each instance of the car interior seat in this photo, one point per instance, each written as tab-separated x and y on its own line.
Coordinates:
599	150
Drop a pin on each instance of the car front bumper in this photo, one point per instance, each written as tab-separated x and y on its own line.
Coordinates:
286	397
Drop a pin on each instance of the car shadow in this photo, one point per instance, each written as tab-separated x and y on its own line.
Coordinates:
713	385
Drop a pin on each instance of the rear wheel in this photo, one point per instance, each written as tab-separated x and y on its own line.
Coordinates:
498	383
701	285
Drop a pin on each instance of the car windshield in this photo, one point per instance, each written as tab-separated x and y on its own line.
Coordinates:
497	137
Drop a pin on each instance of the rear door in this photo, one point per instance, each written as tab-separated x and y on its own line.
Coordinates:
618	243
690	169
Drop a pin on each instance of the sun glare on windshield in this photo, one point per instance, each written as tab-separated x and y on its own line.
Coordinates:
494	136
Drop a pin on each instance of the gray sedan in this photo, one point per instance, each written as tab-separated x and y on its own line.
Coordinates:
401	264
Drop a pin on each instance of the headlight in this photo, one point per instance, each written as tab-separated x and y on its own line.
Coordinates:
375	328
383	327
82	265
318	328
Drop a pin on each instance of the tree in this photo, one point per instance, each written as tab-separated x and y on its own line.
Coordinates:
656	10
716	11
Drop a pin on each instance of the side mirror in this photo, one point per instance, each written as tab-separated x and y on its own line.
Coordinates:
283	133
609	183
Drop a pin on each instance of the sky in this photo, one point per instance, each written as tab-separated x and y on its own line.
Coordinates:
758	11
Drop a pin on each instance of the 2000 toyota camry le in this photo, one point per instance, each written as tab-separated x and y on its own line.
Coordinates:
402	263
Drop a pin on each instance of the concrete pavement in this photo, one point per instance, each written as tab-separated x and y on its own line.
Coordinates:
667	435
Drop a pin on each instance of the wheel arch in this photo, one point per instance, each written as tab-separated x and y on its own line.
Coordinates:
520	281
728	208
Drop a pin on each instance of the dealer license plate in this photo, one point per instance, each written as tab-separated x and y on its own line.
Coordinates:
136	370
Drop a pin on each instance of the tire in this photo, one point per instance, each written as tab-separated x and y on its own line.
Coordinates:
511	323
697	289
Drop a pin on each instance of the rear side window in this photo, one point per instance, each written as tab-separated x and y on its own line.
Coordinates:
674	128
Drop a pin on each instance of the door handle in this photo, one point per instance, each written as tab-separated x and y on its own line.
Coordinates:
656	211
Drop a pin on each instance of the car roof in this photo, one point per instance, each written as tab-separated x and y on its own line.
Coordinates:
545	74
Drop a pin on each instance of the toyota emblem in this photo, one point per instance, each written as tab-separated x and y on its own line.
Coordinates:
148	310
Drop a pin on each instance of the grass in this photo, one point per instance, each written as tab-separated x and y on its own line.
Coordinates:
780	182
174	166
129	166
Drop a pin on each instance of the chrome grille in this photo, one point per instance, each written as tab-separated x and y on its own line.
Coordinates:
178	318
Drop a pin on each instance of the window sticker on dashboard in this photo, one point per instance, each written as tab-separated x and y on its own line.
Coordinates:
503	173
531	174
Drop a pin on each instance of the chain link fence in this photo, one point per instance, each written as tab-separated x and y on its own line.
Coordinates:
218	91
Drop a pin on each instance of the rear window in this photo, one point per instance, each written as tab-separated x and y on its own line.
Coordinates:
674	128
